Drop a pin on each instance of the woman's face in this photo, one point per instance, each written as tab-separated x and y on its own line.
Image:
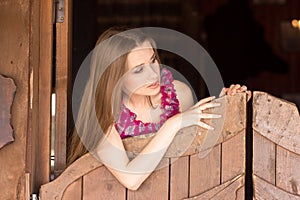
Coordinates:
143	73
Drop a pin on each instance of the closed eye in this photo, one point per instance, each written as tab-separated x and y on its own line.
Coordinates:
138	69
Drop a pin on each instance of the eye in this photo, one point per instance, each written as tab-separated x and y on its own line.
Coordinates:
138	69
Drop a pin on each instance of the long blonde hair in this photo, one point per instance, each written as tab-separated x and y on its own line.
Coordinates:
108	61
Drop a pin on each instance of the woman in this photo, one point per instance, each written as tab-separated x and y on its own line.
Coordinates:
134	96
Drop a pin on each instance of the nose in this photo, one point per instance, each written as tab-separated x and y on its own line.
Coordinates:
152	73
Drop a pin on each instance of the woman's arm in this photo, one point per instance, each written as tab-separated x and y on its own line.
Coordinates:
133	173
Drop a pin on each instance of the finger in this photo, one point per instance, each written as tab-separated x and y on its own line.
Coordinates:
210	116
242	89
231	89
237	86
209	105
231	86
235	89
205	126
203	101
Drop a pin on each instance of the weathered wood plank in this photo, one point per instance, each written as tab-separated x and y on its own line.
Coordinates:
74	191
42	96
277	120
264	190
7	91
205	172
155	187
62	86
233	157
101	184
56	188
14	63
264	161
288	171
179	178
232	189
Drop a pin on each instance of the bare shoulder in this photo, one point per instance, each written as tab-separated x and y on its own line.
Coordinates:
184	95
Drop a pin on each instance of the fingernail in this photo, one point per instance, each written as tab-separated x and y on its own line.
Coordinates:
211	128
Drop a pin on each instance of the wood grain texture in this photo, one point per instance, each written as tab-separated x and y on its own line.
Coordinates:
233	157
277	120
264	190
155	187
264	158
14	63
101	184
232	189
42	87
7	91
179	178
74	191
205	173
56	188
62	86
288	171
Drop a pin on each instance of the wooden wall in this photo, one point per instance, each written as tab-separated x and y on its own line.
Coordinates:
14	63
26	57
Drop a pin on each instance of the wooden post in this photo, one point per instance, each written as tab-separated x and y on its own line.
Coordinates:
62	87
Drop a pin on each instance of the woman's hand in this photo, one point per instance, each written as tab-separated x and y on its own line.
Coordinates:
194	115
234	89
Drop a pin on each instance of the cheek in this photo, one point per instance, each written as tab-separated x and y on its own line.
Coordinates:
133	83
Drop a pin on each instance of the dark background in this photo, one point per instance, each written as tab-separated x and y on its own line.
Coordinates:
243	37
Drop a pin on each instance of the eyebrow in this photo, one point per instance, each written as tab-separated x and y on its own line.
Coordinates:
152	57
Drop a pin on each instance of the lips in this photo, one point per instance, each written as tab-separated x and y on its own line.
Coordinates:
154	85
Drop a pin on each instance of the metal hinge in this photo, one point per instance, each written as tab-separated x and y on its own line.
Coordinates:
59	6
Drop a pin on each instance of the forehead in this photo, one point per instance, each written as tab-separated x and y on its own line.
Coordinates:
140	55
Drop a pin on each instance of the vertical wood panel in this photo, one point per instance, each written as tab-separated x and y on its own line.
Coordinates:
287	170
101	184
15	63
205	172
233	157
32	140
156	186
264	158
42	111
62	87
73	191
179	178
